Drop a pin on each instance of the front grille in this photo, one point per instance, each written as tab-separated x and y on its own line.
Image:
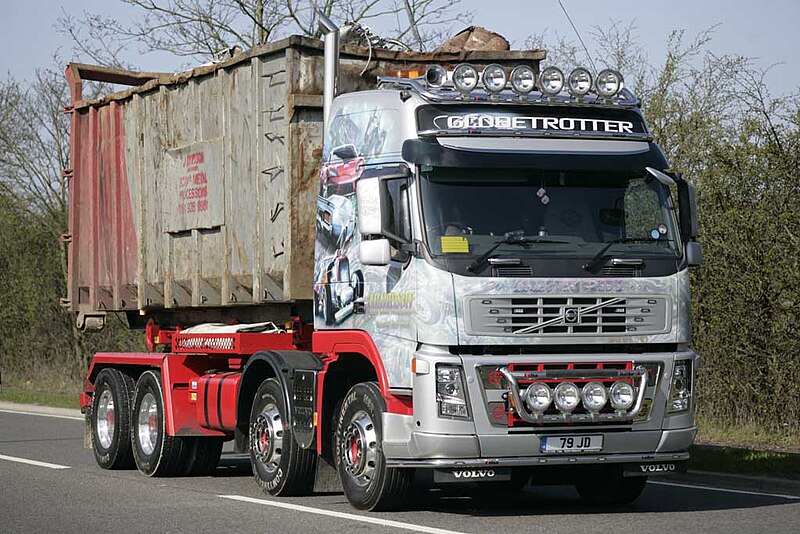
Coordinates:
515	271
567	315
620	271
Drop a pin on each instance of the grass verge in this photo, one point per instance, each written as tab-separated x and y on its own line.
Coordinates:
745	461
58	400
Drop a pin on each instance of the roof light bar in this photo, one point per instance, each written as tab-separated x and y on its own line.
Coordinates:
465	78
551	81
494	78
579	82
609	83
523	79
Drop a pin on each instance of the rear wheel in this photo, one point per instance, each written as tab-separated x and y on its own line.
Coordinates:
610	488
280	465
358	453
110	419
156	453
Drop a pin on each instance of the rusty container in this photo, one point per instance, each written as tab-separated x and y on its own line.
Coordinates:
192	195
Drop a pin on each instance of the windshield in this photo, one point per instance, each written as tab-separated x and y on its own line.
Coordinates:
468	211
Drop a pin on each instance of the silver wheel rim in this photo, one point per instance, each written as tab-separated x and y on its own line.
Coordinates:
360	448
266	438
148	427
106	418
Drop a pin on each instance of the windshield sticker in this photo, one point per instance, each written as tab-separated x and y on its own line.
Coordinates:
454	244
541	192
662	229
654	233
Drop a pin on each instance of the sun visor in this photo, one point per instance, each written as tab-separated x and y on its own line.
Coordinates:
535	153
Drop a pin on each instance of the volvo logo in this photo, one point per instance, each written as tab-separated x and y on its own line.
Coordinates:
657	468
570	315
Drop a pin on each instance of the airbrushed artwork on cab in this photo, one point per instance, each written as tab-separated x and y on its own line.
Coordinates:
356	138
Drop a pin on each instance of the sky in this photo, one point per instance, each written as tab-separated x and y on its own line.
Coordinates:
764	30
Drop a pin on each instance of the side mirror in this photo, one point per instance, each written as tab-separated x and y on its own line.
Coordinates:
687	201
374	252
694	253
371	206
345	152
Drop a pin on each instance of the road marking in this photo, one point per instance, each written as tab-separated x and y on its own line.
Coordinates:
32	462
341	515
726	490
19	412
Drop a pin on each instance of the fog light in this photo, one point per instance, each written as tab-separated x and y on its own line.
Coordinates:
594	396
609	82
566	396
494	78
523	79
465	78
579	82
621	395
538	396
551	81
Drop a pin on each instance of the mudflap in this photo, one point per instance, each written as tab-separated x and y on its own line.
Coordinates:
649	469
87	428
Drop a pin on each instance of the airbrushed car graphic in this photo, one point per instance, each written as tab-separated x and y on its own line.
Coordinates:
335	220
336	288
340	172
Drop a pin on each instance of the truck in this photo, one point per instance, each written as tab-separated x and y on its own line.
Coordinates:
371	269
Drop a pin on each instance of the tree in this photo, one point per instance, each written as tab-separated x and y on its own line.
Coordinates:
201	29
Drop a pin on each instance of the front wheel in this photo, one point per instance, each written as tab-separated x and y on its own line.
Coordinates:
610	489
367	482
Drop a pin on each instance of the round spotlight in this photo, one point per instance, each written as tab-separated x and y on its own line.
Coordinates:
566	396
594	396
579	82
609	82
621	395
494	78
551	81
465	78
538	396
523	79
435	76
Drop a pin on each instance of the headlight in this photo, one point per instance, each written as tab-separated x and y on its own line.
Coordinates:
450	391
579	82
538	396
551	81
435	76
465	78
609	82
566	396
621	395
680	394
494	78
523	79
594	396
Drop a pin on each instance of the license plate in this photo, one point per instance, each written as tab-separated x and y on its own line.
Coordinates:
572	443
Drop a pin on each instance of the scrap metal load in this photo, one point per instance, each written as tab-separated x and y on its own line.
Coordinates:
193	196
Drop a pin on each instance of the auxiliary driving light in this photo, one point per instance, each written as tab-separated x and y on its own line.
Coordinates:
609	82
435	76
621	395
579	82
551	81
566	397
594	396
538	396
465	78
494	78
523	79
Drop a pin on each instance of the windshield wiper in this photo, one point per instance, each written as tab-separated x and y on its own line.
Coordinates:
510	238
600	256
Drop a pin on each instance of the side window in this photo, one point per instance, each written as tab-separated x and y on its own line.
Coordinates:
399	216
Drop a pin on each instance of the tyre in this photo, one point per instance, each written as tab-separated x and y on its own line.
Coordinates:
110	419
280	466
610	489
156	453
368	484
202	457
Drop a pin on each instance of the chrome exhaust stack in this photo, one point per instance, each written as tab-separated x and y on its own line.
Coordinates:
330	31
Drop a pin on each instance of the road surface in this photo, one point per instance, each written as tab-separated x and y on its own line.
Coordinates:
49	483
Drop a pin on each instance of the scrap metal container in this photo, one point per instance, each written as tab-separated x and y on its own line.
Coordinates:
198	190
